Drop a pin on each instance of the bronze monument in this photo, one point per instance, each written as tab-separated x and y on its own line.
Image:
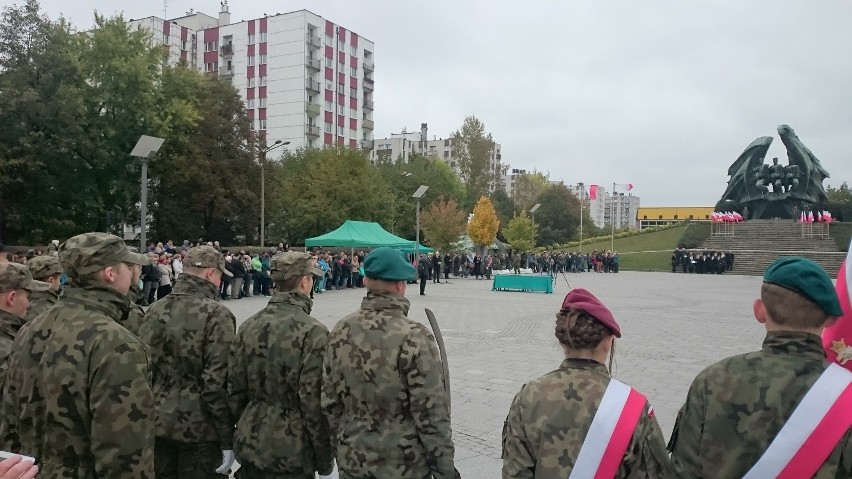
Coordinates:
776	190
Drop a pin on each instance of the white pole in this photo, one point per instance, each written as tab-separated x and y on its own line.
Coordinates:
612	219
582	195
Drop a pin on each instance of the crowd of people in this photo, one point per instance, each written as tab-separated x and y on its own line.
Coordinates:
701	261
178	390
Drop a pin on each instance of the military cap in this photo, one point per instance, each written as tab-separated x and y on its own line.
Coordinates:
91	252
206	257
807	278
17	276
388	264
293	264
44	266
583	300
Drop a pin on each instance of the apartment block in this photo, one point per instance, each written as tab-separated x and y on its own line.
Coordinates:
304	79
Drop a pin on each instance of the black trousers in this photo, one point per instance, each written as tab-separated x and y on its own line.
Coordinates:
423	280
182	460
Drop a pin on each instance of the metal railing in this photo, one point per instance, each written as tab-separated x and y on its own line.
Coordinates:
311	130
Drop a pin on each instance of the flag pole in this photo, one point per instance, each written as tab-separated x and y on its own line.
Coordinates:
582	200
612	219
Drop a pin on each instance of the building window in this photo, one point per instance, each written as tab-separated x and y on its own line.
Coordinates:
251	39
262	124
327	127
353	113
183	45
690	216
250	104
262	37
263	80
353	50
262	104
329	106
210	46
329	63
353	92
675	217
340	45
328	85
339	130
211	67
446	155
353	71
251	82
251	61
263	59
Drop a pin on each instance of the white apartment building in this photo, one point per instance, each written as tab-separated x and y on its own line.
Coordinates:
622	207
509	178
403	145
304	79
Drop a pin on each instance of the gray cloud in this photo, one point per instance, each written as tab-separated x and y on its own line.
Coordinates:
664	94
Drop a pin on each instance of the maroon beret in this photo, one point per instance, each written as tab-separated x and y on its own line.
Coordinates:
583	300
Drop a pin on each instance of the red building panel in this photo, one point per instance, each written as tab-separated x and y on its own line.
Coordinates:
353	143
250	114
167	27
329	117
184	33
263	25
341	57
341	120
329	95
353	82
250	51
329	29
353	61
342	32
250	72
263	48
353	103
261	114
341	78
211	35
329	52
183	55
353	124
329	73
341	141
341	100
250	27
261	70
249	93
353	39
210	57
261	92
327	139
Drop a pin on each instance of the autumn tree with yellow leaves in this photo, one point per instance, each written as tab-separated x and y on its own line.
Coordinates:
482	229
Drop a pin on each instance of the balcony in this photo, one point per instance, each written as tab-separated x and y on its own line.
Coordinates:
368	105
313	63
226	72
312	131
227	50
366	144
313	109
368	124
369	84
369	66
312	85
313	40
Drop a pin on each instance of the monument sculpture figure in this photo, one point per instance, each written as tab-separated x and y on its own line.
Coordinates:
776	190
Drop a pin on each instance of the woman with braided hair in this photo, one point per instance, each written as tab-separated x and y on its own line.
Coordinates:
577	421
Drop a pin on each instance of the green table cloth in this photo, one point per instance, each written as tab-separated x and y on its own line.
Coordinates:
522	282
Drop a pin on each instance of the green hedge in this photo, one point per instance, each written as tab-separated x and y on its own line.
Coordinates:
842	234
621	234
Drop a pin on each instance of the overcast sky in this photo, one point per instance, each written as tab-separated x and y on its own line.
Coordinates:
661	94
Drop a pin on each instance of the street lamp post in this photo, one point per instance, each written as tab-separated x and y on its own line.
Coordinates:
532	212
145	149
582	200
418	194
263	186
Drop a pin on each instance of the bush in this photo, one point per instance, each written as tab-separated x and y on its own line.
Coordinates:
695	235
842	234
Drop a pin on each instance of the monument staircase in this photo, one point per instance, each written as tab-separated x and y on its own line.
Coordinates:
758	243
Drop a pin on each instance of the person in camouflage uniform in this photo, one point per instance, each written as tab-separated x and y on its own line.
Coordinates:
77	394
383	389
16	289
551	416
736	407
275	380
48	270
191	335
133	320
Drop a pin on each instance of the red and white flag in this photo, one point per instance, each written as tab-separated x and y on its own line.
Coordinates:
837	338
802	217
826	216
810	216
593	192
819	217
624	186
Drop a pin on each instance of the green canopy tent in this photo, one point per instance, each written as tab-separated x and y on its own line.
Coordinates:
362	234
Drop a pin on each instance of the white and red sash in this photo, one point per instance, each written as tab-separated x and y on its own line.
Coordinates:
813	430
610	432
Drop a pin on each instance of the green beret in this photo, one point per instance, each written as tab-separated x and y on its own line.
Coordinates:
388	264
807	278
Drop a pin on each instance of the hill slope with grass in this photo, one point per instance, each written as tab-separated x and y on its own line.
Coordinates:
642	252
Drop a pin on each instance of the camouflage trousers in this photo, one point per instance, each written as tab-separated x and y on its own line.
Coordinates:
173	460
247	471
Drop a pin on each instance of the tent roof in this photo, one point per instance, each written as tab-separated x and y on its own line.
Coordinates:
359	234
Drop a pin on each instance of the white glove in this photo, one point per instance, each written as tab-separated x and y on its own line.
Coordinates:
325	477
227	462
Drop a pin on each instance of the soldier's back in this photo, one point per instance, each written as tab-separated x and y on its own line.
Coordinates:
77	396
40	302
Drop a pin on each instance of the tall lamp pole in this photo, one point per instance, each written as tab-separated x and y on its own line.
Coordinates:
532	212
582	200
612	219
418	194
145	149
263	152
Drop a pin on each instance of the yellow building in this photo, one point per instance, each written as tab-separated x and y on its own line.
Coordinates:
650	217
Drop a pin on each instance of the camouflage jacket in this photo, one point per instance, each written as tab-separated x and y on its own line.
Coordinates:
275	380
77	395
40	301
550	417
383	391
190	336
133	320
9	326
735	408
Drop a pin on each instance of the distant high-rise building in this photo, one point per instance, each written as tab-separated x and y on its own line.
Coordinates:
304	79
606	206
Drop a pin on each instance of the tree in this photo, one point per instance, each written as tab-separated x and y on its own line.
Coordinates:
504	205
520	233
443	223
313	191
839	195
558	218
483	227
473	149
528	188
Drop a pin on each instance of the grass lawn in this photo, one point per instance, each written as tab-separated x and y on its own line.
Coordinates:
644	252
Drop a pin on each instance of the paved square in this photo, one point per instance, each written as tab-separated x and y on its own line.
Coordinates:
673	326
